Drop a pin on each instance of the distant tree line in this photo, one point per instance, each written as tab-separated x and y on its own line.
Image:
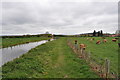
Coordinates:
97	34
63	35
39	35
94	34
27	36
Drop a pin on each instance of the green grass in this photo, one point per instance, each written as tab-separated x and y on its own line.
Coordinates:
50	60
107	50
6	42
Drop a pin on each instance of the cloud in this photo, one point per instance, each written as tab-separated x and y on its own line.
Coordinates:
58	17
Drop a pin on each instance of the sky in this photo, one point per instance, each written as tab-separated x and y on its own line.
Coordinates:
58	16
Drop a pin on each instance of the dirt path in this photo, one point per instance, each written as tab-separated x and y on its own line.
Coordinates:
65	64
60	61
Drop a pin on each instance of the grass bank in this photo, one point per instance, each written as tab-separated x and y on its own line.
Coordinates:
6	42
50	60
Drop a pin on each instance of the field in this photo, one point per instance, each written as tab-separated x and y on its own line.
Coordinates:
103	51
6	42
51	60
56	59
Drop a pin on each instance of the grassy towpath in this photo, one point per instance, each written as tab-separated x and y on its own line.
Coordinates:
51	60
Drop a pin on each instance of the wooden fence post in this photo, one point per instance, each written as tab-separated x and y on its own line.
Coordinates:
88	57
107	67
81	51
76	46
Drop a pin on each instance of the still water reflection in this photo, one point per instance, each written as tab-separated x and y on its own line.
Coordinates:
10	53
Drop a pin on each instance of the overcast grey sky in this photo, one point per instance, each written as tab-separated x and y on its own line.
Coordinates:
59	17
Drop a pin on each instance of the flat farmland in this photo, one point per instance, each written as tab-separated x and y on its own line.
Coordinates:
108	50
54	59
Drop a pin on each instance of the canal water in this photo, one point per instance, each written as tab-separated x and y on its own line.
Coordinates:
10	53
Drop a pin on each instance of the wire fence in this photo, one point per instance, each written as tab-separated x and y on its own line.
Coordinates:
99	66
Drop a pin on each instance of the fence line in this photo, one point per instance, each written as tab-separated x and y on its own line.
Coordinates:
102	68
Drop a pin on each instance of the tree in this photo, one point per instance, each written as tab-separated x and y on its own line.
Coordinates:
98	33
101	33
47	32
94	33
